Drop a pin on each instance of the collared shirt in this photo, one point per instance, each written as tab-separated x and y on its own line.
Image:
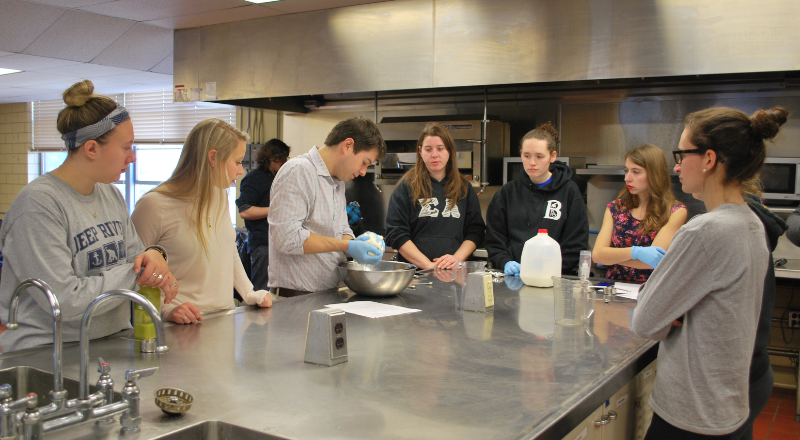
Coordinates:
305	198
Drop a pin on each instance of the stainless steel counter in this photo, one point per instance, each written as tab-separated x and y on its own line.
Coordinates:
440	373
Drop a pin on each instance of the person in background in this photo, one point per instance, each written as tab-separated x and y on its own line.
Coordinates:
188	215
434	218
702	301
308	229
761	375
70	228
543	197
793	222
639	225
253	204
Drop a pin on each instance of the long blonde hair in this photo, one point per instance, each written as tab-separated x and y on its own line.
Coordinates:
419	179
659	183
194	177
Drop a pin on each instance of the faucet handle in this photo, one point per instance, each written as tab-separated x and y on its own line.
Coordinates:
103	367
6	392
133	375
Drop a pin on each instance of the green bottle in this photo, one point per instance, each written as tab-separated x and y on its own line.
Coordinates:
143	327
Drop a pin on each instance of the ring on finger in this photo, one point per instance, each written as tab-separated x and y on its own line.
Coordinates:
160	277
174	285
155	274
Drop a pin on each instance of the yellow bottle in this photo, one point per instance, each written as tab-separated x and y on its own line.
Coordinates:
143	327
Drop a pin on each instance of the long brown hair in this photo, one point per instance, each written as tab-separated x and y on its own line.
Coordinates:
194	177
659	183
419	179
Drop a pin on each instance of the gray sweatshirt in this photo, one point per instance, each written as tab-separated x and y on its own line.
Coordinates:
50	233
793	233
713	276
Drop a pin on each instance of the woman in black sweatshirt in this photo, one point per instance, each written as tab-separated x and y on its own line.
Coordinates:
543	197
434	218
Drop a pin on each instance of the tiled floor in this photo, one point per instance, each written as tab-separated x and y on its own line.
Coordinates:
777	420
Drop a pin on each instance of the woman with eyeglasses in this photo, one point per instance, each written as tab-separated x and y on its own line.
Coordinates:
434	218
703	299
639	225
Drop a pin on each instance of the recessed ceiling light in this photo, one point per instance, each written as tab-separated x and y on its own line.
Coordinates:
8	71
261	1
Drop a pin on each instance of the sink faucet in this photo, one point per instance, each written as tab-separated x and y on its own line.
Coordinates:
83	392
58	396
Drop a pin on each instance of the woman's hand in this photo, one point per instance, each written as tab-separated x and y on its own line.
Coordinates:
267	301
186	313
446	261
154	272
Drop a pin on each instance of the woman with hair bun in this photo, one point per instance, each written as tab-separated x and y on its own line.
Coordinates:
70	228
543	197
188	215
703	299
639	225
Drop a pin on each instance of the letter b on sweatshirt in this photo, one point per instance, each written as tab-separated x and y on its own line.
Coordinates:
553	210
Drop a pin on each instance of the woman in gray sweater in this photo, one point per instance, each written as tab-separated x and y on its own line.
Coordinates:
703	300
70	228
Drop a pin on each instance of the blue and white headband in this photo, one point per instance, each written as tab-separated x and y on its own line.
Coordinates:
75	139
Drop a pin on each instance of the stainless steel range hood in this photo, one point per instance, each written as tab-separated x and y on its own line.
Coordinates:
424	44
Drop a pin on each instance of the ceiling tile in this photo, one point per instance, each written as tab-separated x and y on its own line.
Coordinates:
295	6
2	54
137	78
31	62
79	36
70	3
23	79
140	48
165	66
145	10
215	17
86	70
22	22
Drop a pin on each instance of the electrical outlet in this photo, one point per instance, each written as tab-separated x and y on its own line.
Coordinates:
794	319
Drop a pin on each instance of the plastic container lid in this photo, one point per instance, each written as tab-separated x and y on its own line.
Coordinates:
543	231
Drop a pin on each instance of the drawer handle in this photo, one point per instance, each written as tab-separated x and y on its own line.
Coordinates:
612	415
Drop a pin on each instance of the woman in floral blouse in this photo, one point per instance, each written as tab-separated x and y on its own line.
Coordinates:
639	225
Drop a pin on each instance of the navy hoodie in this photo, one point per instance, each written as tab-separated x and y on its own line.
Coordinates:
433	228
521	208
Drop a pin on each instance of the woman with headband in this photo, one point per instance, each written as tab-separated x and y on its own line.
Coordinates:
70	228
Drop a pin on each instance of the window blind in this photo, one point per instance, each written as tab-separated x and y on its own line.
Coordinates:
156	119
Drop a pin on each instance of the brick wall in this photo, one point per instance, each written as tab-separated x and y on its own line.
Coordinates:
17	164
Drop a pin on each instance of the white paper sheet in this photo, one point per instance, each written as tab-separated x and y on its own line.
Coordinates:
628	290
371	309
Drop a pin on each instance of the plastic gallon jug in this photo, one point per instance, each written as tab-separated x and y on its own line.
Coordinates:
541	260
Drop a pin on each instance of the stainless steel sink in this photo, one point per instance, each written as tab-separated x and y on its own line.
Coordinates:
216	430
24	380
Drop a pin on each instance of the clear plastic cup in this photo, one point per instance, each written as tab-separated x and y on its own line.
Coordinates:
574	301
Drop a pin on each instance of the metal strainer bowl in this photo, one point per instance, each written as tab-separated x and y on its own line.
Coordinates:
173	401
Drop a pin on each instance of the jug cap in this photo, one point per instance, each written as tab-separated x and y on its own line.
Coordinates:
543	231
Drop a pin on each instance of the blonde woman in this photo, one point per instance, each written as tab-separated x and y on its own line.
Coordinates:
639	225
188	215
70	228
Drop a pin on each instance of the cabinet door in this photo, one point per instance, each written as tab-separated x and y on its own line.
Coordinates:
643	383
622	404
586	429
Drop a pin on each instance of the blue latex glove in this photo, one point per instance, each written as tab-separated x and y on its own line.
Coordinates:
513	283
511	268
377	240
364	252
649	255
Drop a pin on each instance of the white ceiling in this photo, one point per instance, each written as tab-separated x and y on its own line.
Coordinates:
121	45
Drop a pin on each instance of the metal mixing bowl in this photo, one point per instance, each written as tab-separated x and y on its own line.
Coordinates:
386	278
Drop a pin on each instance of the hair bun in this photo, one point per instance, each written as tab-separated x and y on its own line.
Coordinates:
766	123
550	129
79	93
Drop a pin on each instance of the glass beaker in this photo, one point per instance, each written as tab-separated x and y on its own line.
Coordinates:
574	301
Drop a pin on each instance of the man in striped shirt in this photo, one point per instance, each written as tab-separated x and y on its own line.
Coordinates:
309	233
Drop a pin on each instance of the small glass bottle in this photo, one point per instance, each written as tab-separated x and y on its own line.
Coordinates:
143	327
